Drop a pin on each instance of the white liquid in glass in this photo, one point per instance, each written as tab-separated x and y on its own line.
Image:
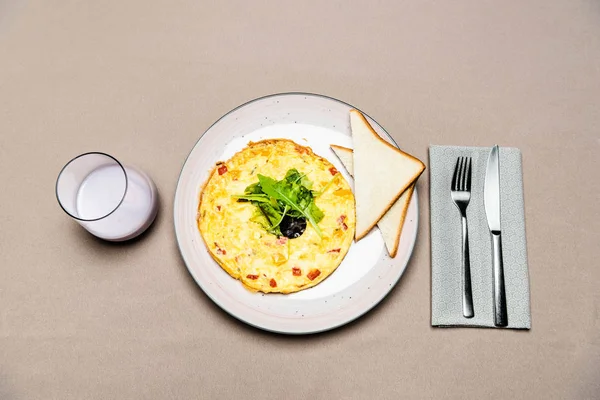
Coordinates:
100	193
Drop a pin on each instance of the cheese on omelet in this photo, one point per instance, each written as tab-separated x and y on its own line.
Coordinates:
245	250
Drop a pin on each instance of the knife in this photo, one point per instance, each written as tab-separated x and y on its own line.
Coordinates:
491	196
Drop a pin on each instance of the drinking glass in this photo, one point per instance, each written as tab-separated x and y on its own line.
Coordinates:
112	201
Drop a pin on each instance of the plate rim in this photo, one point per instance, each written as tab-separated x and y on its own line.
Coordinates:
379	298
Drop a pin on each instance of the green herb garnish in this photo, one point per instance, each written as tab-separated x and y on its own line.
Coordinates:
291	196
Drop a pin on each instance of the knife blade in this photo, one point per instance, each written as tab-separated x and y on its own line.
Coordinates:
491	197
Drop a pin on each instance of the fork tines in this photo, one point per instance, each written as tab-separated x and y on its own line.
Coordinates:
461	180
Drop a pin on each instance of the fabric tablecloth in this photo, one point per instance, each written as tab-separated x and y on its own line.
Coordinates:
141	80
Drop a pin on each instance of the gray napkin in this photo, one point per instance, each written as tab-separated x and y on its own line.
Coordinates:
446	241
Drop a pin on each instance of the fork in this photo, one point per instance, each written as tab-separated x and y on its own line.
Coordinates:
461	195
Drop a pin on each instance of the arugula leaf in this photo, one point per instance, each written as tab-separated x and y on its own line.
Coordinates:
254	189
295	196
285	210
273	218
293	176
253	197
274	200
316	212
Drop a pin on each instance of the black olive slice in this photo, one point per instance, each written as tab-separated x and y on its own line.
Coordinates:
292	228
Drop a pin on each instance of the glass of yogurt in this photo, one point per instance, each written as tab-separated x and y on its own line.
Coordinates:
112	201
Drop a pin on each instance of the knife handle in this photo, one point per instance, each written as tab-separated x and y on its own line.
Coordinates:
500	314
466	270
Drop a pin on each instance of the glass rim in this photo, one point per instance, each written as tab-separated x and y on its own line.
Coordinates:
80	156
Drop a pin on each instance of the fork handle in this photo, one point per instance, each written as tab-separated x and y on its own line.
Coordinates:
467	300
500	314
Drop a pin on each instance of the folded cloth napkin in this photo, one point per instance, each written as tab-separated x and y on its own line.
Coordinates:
446	240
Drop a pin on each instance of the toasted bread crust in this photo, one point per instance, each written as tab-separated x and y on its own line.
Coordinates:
410	191
342	148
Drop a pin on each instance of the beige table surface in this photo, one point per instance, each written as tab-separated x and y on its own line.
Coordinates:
142	80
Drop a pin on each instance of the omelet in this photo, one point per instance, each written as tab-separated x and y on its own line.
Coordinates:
261	237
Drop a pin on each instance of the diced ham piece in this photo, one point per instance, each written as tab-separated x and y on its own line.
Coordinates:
341	220
220	251
313	274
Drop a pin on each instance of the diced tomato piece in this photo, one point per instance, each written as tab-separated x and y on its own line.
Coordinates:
333	171
313	274
251	276
296	271
222	169
272	283
218	208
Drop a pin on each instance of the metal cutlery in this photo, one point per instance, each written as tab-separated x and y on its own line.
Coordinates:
461	195
491	196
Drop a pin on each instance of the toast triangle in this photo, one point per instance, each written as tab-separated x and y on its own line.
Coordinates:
382	173
390	225
345	155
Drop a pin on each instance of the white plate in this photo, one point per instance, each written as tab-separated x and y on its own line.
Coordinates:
367	273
